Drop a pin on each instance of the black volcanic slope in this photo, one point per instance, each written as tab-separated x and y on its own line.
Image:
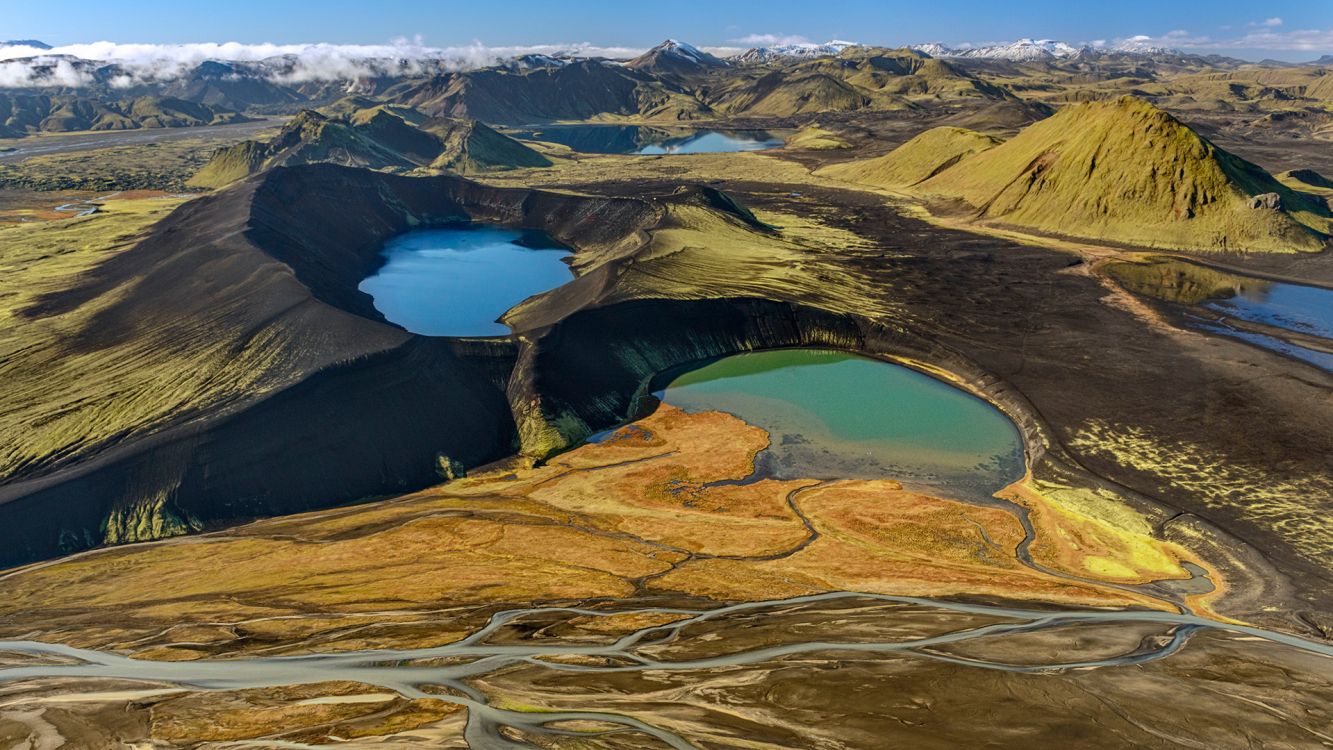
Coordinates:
230	368
326	402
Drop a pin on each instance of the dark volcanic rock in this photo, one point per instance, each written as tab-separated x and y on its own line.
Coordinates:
344	406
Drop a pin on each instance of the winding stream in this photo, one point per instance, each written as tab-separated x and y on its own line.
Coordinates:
822	424
474	656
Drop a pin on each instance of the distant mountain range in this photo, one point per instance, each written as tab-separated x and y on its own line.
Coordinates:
24	64
42	90
24	43
1035	50
798	50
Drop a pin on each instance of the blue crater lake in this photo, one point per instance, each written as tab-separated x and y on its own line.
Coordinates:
636	139
458	280
832	415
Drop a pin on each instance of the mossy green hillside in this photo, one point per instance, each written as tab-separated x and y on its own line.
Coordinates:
1126	171
386	137
919	159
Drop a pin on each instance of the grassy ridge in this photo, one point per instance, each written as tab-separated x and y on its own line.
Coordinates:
377	137
919	159
1121	170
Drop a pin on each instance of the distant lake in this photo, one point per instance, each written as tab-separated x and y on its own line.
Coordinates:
1305	309
1277	306
647	140
457	280
832	415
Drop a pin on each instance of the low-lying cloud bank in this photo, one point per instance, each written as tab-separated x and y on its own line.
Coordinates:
27	66
77	65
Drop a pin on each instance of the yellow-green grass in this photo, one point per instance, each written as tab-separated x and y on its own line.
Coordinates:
1128	172
816	138
921	158
64	399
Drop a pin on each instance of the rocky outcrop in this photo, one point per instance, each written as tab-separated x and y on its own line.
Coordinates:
1270	201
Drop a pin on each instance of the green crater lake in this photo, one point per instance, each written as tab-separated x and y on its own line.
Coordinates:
832	415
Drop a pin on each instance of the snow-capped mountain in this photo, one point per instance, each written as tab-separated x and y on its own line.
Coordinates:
673	55
1023	50
804	50
1036	50
934	49
1137	45
534	61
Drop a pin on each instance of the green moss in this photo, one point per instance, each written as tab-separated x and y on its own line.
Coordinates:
146	519
386	137
921	158
816	138
1128	172
469	146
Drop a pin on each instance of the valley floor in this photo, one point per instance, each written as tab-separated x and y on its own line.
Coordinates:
649	521
1171	589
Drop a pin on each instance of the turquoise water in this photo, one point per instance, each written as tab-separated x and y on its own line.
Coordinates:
635	139
456	281
832	415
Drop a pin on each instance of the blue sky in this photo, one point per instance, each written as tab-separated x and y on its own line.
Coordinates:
1295	31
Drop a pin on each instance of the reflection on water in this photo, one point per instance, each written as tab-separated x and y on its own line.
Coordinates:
1313	356
1277	306
1304	309
834	415
637	139
1185	283
457	280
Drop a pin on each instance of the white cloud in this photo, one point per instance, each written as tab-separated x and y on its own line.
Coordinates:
724	51
1271	22
42	72
770	40
292	62
1266	38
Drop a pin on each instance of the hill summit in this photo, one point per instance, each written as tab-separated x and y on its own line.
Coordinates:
672	56
1125	171
387	137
